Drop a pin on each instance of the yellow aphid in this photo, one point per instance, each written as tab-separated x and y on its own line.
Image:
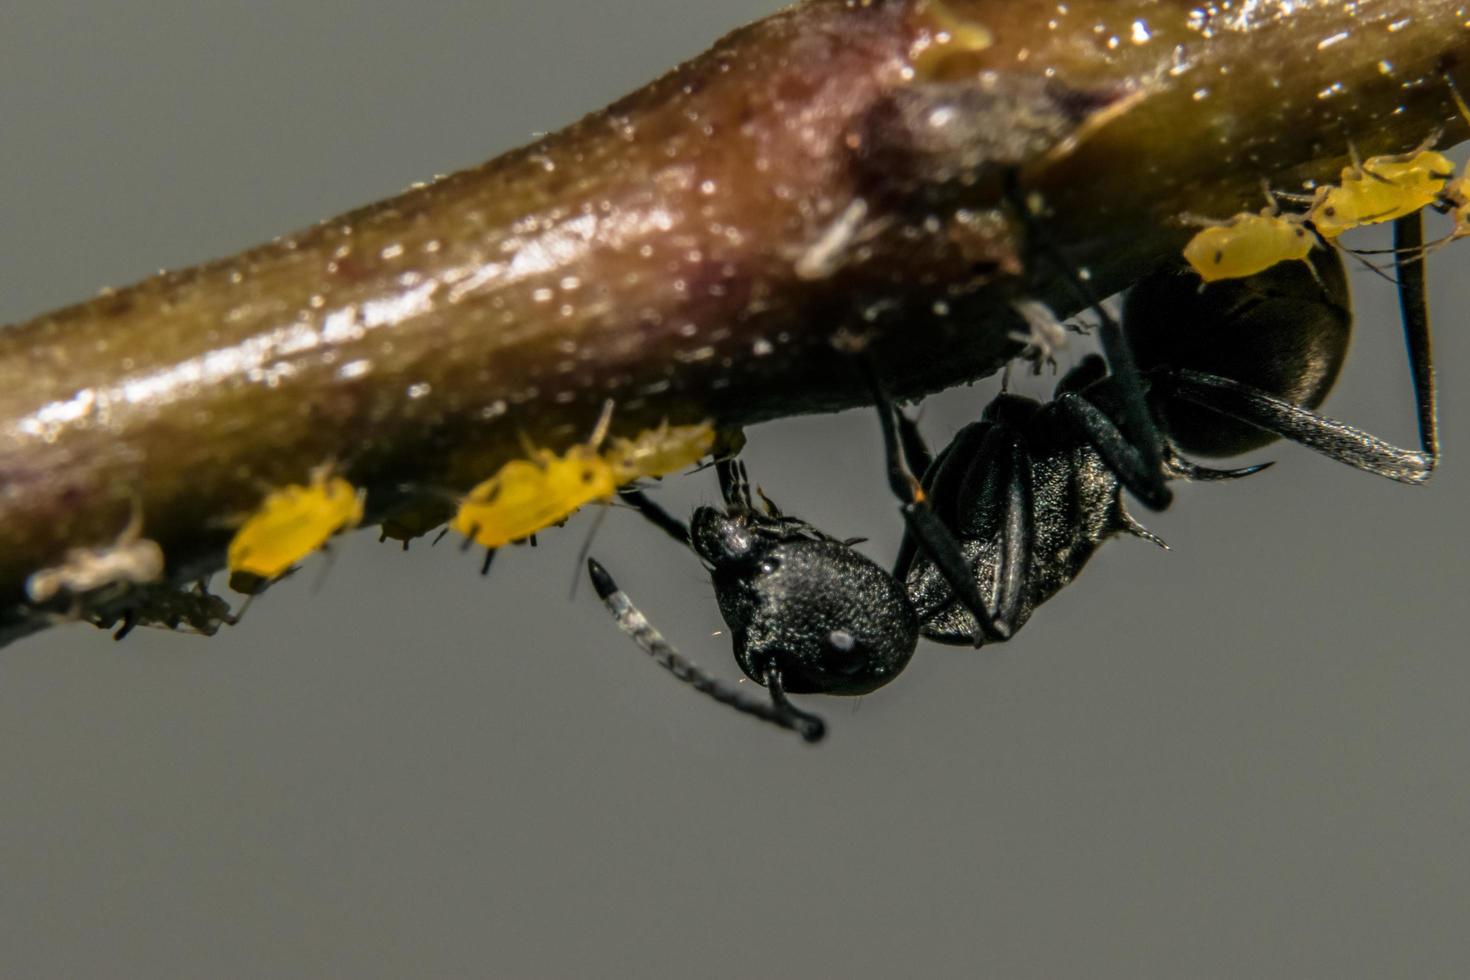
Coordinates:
526	495
659	452
1248	244
292	522
416	518
1382	189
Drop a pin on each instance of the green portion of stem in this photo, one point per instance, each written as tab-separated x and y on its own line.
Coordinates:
692	251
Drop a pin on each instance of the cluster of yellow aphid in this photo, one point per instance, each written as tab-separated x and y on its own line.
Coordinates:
1376	190
523	497
526	495
292	522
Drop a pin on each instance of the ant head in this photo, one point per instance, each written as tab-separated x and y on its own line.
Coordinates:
723	539
824	618
1284	331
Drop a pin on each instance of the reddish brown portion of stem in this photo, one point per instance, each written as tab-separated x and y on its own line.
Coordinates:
692	250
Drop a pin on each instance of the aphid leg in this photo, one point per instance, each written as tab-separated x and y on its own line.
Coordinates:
1408	235
1331	438
321	576
1138	421
778	711
130	620
656	515
469	541
437	538
489	558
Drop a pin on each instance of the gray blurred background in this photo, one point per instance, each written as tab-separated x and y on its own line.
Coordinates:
1249	756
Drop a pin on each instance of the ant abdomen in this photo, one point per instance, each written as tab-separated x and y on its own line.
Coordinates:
1285	331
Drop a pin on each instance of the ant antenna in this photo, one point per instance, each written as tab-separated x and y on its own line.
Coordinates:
779	711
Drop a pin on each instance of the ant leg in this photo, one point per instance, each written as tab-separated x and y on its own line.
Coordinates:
656	515
734	485
942	485
778	711
1195	473
920	460
1090	369
1408	239
1333	439
1127	461
929	534
1014	571
1152	488
916	451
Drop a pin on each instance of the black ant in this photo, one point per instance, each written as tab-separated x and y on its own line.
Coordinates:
1013	508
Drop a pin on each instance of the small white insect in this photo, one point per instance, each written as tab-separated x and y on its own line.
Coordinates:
131	559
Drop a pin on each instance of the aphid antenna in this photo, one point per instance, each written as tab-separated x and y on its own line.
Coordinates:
1294	197
1189	219
1416	255
585	551
778	710
1455	94
1377	270
604	423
